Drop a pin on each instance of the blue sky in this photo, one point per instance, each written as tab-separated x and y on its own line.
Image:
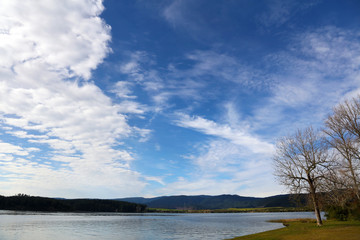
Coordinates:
147	98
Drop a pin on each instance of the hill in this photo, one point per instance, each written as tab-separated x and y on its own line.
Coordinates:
201	202
23	202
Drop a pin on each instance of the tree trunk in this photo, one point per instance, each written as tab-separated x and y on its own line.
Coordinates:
317	214
316	204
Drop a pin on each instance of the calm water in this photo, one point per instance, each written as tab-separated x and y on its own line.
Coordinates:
90	226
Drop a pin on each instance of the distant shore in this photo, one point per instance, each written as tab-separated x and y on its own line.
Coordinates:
22	202
232	210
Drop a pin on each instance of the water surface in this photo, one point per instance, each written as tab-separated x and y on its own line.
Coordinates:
116	226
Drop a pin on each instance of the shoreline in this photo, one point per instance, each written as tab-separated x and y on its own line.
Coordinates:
231	210
295	229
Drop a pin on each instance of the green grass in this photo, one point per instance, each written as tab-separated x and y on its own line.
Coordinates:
299	229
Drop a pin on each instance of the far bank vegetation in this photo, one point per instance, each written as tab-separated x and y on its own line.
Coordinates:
23	202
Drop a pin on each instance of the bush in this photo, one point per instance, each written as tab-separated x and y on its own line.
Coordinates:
338	213
343	213
355	213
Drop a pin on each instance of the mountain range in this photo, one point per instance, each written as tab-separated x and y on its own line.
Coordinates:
216	202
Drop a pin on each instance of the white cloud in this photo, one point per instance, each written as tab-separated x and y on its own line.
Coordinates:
222	167
278	13
24	134
173	13
293	94
181	15
156	179
250	178
330	52
163	86
318	68
49	49
123	90
66	35
225	68
41	179
234	160
7	148
131	107
238	135
189	17
134	66
220	157
140	70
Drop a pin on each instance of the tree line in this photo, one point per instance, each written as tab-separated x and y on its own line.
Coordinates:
22	202
325	163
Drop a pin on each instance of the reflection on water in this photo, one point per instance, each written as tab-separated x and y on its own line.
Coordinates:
73	226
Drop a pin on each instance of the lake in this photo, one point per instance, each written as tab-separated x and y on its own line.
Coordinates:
115	226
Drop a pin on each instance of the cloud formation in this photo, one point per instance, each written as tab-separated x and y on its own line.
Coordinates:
239	136
49	49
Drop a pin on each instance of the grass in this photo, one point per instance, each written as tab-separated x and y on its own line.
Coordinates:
306	229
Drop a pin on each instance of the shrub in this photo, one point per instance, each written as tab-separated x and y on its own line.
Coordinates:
338	213
343	213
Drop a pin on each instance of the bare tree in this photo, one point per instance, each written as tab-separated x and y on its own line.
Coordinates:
348	114
343	130
335	188
301	164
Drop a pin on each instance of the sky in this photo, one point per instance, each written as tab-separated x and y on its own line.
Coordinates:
126	98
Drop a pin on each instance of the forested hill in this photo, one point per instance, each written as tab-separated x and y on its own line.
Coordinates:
215	202
23	202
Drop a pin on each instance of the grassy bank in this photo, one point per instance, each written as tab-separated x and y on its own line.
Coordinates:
307	230
231	210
